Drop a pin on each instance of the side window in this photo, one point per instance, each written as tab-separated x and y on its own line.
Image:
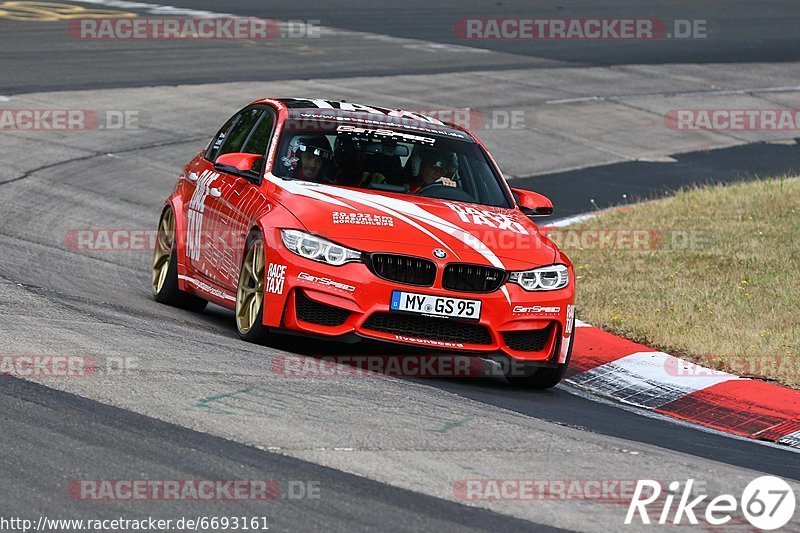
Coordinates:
216	142
235	138
259	138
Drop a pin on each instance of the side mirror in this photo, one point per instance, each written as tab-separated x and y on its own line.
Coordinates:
240	164
532	203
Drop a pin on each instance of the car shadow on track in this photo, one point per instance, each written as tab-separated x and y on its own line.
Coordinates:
563	405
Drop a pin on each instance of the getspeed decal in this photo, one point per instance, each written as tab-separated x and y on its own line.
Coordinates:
325	282
398	135
536	309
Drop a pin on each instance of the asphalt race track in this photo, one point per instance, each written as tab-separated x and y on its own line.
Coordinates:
385	453
739	32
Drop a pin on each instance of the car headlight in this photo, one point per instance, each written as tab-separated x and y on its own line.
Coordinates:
549	278
317	249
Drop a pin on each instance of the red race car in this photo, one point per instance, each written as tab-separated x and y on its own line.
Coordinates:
349	221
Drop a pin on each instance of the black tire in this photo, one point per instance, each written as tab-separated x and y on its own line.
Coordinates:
168	292
539	377
257	332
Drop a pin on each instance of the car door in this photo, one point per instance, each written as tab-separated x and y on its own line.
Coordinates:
238	200
205	240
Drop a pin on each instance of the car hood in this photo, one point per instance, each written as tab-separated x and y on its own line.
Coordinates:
377	221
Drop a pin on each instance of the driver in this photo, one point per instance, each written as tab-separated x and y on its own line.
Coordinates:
436	166
309	157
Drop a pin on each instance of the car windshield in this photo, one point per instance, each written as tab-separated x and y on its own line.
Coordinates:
390	159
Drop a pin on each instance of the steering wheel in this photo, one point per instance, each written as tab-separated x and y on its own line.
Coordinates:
444	192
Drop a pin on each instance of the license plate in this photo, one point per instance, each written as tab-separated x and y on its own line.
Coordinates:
426	304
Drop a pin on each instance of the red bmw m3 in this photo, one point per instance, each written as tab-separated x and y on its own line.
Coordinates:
350	221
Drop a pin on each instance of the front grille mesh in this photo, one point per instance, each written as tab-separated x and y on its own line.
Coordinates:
534	340
472	278
318	313
430	328
404	269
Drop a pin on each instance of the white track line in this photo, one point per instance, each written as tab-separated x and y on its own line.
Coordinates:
725	92
563	222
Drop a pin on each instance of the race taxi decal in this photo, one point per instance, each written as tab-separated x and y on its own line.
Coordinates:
325	282
362	219
570	317
276	276
485	217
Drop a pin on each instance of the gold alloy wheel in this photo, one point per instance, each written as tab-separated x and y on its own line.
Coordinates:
250	292
163	250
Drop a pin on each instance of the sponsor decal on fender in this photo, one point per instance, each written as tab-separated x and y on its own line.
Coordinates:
570	317
276	276
325	282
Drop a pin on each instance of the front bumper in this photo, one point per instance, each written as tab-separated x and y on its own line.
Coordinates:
316	298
